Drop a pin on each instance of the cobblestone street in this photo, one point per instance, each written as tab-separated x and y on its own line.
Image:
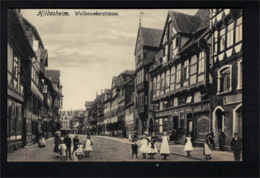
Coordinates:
107	148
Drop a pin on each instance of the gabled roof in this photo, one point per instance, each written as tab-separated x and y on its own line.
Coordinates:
34	30
149	36
53	75
185	23
204	14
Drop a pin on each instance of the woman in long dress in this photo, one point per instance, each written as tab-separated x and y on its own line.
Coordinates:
165	149
188	145
207	151
144	146
88	146
57	141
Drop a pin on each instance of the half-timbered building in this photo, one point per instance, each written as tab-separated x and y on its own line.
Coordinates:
226	26
180	82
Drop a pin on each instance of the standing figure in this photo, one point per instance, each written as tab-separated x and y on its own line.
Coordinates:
63	150
134	148
57	141
165	149
207	150
67	141
211	138
129	136
79	151
88	146
152	149
221	140
236	146
75	143
188	145
41	142
144	147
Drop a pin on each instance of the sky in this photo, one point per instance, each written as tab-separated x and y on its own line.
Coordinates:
90	50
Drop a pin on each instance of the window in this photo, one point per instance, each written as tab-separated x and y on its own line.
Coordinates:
239	30
178	75
239	73
35	45
230	35
162	83
222	39
172	78
186	69
182	100
165	125
15	65
158	85
201	62
215	43
165	54
224	79
167	81
154	86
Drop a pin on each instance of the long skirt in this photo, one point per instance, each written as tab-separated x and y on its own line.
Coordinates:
207	150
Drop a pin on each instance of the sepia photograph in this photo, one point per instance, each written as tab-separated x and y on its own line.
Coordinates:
131	85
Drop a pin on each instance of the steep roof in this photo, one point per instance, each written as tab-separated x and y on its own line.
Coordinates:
53	75
185	23
204	14
128	72
151	37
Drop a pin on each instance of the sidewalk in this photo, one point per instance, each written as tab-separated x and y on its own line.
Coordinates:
22	153
178	150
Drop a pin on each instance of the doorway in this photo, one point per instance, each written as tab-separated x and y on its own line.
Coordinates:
218	122
175	122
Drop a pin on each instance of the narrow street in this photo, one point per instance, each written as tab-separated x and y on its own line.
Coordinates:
110	149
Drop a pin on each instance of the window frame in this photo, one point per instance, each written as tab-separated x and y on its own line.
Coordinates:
220	71
239	28
239	74
178	73
201	63
186	71
230	34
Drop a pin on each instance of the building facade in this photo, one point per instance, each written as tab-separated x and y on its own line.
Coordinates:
180	79
147	45
226	26
20	55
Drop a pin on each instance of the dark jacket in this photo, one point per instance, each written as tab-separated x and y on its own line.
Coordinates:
134	146
76	141
236	144
67	141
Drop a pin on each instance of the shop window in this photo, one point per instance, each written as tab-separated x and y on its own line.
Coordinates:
239	32
19	120
224	79
161	125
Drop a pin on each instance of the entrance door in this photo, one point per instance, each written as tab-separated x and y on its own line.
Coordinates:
189	127
175	122
151	125
219	124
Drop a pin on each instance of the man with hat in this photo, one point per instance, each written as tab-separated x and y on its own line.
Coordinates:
236	146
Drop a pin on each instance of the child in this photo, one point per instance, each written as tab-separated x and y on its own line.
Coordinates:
63	149
134	148
88	146
79	151
144	147
152	149
207	150
165	149
130	137
41	141
188	145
